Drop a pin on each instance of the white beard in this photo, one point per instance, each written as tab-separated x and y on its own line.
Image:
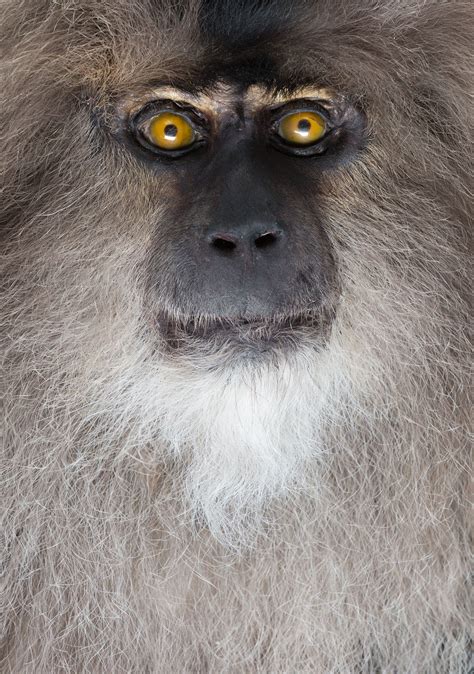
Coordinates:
246	429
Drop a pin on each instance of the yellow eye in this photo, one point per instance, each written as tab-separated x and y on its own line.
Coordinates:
302	128
170	131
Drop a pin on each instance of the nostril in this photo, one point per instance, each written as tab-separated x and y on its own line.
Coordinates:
267	239
224	242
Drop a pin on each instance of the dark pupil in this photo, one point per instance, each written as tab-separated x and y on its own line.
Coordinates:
171	131
304	125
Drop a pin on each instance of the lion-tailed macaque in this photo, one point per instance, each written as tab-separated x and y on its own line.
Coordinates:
235	336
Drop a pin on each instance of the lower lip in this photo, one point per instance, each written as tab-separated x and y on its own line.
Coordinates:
261	333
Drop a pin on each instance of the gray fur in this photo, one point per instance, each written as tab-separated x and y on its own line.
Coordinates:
361	564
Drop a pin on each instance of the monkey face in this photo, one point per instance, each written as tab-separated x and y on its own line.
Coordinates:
241	252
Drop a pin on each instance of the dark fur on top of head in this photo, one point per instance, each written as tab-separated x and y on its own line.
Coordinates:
360	563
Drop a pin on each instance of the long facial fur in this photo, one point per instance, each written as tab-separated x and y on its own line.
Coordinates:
121	555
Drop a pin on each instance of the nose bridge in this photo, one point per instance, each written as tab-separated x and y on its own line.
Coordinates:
244	199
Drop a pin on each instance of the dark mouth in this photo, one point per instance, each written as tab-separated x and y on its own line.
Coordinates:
258	332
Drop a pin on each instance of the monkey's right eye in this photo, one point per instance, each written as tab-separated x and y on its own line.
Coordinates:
169	131
168	128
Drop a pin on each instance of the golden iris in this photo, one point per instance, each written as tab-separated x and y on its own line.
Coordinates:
302	128
170	131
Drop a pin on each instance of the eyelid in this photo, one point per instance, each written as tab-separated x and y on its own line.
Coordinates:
152	108
149	119
281	111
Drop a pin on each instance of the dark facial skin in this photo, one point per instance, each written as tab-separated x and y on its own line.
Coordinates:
244	241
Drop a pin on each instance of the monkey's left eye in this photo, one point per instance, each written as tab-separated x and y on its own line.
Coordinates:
169	131
302	128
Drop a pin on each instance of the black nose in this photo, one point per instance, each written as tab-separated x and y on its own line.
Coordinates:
246	267
228	241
